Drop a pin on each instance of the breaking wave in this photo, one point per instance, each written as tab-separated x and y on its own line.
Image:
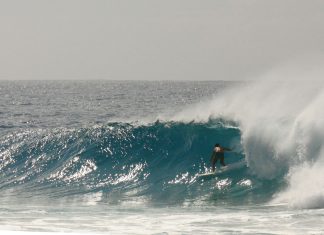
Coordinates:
156	163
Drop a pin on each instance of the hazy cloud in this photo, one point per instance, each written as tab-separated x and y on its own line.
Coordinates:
152	39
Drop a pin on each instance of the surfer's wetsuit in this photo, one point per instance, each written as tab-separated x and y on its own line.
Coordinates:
218	153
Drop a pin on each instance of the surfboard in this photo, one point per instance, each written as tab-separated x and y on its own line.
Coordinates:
223	169
209	174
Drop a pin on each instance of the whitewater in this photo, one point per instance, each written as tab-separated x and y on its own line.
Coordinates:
123	157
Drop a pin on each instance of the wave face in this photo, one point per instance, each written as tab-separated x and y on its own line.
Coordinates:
154	163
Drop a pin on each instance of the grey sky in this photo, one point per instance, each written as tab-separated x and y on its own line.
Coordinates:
155	39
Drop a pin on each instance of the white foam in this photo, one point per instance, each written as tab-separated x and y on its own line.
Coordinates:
236	220
37	233
306	189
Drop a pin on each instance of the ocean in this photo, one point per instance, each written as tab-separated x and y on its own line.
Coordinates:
124	157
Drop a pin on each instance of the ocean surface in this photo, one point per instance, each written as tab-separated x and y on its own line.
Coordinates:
124	157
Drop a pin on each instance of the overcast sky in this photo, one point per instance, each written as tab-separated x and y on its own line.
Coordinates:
155	39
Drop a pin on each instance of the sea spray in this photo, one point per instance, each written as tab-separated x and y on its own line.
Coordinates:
306	187
281	124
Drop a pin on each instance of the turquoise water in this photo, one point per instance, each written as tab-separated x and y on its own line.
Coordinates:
124	157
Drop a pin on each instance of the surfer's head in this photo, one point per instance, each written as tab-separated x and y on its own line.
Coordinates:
217	145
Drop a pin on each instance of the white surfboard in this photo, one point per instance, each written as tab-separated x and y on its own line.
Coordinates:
223	169
207	174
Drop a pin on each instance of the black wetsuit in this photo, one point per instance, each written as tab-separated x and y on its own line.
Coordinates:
214	158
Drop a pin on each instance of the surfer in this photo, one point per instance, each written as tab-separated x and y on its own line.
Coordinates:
218	153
